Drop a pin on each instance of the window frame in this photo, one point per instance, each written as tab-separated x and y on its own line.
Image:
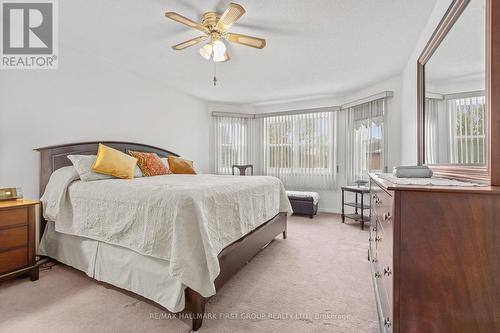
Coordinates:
295	146
367	124
243	149
455	138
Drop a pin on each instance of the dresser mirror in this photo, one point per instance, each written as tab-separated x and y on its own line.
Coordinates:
453	108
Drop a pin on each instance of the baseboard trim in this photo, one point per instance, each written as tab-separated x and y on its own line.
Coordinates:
329	210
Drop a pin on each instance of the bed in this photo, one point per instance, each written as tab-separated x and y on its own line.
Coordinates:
143	266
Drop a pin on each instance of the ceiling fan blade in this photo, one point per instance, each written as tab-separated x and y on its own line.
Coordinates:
231	15
189	43
184	20
258	43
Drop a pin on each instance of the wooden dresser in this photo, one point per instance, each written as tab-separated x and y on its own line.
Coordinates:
17	239
435	257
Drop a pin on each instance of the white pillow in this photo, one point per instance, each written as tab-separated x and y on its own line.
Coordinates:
164	160
55	189
137	172
83	165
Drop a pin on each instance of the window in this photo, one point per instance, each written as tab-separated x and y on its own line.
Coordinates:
467	119
232	146
366	142
298	149
368	147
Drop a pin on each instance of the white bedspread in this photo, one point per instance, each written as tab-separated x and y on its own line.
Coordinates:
186	219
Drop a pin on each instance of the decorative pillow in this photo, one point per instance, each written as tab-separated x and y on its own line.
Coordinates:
165	161
83	165
150	164
180	165
113	162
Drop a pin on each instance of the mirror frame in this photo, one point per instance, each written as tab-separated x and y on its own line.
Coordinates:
489	173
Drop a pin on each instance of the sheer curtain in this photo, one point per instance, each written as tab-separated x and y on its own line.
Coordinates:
365	139
431	130
300	149
233	137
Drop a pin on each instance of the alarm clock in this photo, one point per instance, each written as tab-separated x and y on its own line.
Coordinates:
11	193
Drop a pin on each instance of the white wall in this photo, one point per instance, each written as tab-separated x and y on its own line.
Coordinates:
88	100
409	93
299	104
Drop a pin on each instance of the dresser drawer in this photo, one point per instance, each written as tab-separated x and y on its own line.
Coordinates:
13	237
9	217
385	298
13	260
386	276
372	246
384	239
383	206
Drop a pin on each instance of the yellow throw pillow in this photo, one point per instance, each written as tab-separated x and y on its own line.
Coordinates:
113	162
180	165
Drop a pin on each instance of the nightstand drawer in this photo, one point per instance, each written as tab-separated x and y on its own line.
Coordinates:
13	237
13	260
18	216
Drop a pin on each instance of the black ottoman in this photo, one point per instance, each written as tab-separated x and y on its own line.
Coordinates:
304	203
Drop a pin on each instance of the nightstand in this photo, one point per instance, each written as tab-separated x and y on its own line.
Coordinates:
358	205
17	239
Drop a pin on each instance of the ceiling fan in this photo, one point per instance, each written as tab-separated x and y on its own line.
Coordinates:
216	26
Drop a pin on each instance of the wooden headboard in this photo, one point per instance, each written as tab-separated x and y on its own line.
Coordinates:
55	157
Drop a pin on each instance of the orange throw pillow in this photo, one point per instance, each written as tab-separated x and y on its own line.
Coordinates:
180	165
150	164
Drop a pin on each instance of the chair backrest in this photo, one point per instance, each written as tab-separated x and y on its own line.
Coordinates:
243	169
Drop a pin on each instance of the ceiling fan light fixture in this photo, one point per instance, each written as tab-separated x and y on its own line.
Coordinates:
206	51
219	49
224	57
215	26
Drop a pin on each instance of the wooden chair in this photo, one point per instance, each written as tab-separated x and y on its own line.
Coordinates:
243	169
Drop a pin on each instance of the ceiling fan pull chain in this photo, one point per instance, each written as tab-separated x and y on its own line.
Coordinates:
215	74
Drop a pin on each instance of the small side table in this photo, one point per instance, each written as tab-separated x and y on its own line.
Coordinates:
17	239
358	204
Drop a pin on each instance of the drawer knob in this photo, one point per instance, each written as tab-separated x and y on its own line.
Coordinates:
378	239
387	271
378	275
387	322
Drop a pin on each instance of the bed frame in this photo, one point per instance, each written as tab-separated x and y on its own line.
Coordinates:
231	259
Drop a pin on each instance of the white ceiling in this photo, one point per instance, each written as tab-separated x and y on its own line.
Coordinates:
314	47
462	54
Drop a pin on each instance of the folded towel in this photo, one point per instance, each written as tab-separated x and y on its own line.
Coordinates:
411	167
417	171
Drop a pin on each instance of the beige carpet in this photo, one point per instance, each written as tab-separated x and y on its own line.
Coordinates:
318	280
